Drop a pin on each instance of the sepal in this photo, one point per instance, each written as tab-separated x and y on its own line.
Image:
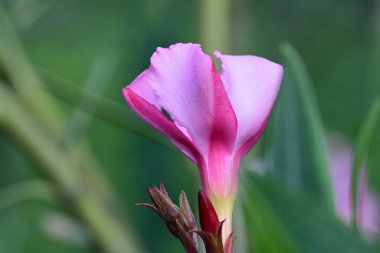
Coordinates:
229	243
181	223
179	220
211	232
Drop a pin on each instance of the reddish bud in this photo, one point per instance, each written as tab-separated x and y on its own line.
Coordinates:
211	232
207	214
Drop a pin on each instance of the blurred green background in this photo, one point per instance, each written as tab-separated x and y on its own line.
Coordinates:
86	51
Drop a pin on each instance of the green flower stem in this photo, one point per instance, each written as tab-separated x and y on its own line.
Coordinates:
215	25
72	175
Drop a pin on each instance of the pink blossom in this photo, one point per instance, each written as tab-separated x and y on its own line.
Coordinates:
340	160
215	119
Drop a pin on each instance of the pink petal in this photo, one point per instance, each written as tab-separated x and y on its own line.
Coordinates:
252	84
340	156
340	163
141	87
141	99
188	87
369	207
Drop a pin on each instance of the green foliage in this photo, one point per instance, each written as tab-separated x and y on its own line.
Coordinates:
282	221
290	209
265	231
363	144
298	148
373	162
16	234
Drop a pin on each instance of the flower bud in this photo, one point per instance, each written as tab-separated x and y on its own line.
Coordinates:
179	220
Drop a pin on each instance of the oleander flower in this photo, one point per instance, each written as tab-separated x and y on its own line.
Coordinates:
215	118
340	159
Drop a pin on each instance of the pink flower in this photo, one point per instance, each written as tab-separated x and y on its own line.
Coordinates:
215	118
340	159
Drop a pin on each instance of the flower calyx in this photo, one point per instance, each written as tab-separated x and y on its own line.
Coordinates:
211	232
180	220
181	223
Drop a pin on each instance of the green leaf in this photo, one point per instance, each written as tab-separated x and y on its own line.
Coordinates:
280	220
265	233
373	163
362	147
24	191
111	111
297	136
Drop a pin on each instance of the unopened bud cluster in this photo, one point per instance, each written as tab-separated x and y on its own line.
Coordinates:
181	223
179	220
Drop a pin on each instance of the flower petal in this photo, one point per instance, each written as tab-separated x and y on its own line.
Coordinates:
340	164
189	88
141	87
252	84
141	99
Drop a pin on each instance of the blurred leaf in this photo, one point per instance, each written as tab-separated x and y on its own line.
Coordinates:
28	13
373	164
265	233
365	138
29	190
106	109
299	152
21	231
97	80
282	221
61	227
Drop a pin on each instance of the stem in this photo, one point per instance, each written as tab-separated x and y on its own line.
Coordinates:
215	24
